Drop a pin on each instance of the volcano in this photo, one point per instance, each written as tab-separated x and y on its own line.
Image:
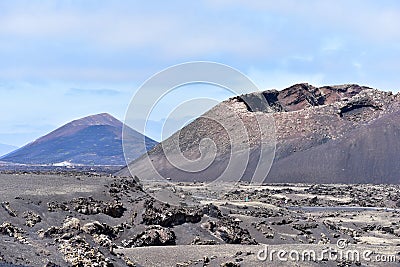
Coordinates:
92	140
330	134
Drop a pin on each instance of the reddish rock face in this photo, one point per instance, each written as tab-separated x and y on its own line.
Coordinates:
301	96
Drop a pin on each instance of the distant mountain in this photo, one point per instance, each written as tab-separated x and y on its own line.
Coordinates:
93	140
330	134
4	149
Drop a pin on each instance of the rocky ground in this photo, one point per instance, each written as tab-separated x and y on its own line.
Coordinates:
102	220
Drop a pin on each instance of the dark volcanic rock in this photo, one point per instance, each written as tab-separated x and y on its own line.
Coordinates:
305	227
230	264
168	216
31	218
152	236
198	241
301	96
230	231
9	210
98	229
70	228
212	211
92	206
54	206
357	105
78	252
8	229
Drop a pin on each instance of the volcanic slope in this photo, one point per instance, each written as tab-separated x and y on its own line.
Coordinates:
92	140
331	134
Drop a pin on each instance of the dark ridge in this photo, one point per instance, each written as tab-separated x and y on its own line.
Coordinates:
353	106
273	101
255	102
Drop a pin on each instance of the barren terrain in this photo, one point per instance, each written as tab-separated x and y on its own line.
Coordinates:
94	220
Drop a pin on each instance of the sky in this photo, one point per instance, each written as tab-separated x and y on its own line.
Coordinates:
62	60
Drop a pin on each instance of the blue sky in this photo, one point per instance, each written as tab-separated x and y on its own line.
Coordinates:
62	60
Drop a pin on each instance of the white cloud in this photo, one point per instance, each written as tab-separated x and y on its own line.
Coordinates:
332	44
357	65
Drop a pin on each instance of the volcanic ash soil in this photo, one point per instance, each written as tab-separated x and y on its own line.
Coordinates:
81	220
